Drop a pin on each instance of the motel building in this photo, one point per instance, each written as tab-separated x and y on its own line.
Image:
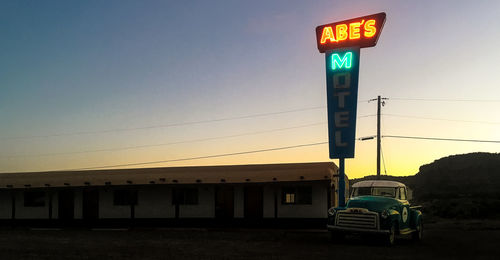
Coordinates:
250	195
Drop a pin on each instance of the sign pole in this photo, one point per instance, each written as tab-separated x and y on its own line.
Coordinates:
341	182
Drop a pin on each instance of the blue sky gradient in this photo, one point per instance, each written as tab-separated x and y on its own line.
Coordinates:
72	66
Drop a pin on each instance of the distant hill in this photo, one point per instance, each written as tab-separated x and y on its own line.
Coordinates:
464	175
461	186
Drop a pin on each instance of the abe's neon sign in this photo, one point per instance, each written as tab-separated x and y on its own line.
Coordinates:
359	32
341	42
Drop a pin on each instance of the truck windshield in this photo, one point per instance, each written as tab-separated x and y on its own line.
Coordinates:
374	191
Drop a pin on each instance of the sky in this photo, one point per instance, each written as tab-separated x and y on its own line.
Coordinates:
87	84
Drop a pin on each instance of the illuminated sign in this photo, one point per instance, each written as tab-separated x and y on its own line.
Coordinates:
344	62
358	32
341	43
342	73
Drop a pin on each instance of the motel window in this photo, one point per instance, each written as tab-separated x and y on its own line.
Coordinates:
34	199
125	197
296	195
185	196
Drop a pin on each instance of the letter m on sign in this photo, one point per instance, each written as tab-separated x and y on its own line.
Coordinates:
344	62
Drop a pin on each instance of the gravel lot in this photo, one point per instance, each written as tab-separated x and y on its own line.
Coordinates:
443	240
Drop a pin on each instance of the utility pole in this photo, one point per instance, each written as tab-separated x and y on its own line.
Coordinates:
380	104
378	137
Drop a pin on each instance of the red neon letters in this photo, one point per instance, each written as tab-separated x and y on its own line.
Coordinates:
353	30
358	32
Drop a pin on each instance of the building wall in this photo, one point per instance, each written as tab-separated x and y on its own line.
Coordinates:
106	207
23	212
205	207
318	208
5	205
155	202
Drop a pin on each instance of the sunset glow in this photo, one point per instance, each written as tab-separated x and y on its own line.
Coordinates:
173	84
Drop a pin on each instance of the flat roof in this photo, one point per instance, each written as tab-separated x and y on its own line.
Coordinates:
171	175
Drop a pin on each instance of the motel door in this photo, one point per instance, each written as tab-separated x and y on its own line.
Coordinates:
254	202
224	202
90	209
66	205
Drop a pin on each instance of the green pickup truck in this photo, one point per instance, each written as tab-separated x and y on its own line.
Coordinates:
377	207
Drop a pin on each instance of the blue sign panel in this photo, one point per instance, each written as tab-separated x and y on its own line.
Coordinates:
342	72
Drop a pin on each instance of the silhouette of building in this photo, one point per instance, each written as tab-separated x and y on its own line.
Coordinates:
201	195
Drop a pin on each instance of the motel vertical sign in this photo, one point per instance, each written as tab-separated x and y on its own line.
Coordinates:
341	43
342	94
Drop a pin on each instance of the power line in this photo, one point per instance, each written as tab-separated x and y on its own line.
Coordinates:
441	119
262	150
442	139
383	159
170	143
168	125
199	157
366	116
446	100
382	152
166	144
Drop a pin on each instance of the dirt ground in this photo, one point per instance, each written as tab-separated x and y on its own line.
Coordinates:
474	239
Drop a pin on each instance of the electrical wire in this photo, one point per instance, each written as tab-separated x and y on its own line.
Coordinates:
198	157
442	139
259	151
440	119
168	125
381	150
366	116
166	144
445	100
383	158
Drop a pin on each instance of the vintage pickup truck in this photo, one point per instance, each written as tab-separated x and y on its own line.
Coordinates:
377	207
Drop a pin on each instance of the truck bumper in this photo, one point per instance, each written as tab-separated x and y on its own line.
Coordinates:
356	230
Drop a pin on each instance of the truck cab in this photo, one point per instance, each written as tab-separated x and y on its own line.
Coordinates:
377	207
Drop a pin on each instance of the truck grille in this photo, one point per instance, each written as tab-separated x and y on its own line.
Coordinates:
357	220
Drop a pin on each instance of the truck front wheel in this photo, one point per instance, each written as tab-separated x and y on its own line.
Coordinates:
391	237
419	232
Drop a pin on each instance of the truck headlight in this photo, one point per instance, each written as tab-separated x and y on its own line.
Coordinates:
331	212
384	214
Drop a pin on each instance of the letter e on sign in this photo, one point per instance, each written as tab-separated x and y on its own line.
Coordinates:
342	119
